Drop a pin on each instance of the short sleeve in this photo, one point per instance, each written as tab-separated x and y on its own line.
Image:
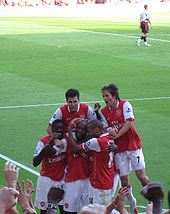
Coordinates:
128	111
56	115
91	145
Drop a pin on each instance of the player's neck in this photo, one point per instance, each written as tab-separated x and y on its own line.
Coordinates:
115	104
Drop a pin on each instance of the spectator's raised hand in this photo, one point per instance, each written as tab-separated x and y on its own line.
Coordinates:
120	199
11	174
25	196
8	199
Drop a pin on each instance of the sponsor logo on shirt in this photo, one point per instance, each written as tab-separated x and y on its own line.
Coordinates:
42	203
66	205
128	110
90	200
59	158
54	116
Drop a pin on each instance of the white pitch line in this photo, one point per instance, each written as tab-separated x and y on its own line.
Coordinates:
19	164
37	174
88	31
90	102
32	171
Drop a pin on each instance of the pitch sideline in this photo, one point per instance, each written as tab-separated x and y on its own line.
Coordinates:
87	31
90	102
37	173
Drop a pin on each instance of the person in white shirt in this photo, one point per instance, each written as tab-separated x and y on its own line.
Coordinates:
144	25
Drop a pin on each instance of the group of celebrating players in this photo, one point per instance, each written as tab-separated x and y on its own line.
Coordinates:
87	152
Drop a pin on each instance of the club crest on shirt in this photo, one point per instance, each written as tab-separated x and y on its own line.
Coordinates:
118	113
42	203
66	205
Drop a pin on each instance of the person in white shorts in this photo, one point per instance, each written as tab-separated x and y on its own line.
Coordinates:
102	162
117	116
77	173
117	206
53	164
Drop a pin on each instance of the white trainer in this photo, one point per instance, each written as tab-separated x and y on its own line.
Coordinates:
138	42
146	44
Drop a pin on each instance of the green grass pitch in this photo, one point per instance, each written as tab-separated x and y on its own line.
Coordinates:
42	57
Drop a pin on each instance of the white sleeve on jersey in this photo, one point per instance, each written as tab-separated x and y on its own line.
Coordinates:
39	147
128	111
56	115
91	114
91	145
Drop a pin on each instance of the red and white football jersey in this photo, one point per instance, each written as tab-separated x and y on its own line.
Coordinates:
102	162
54	166
116	118
78	165
84	111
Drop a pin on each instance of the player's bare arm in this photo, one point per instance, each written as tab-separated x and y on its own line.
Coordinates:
116	134
127	125
76	148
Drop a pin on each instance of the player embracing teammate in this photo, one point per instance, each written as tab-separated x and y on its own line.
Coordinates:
96	150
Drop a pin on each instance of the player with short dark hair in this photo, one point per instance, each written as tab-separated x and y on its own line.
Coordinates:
78	171
72	92
72	109
102	162
53	164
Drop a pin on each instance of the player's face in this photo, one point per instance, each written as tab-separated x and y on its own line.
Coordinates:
80	131
58	131
73	103
109	99
92	132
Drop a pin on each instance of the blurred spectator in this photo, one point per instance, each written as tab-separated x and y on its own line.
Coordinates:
116	205
55	195
154	193
8	199
11	177
25	196
9	195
